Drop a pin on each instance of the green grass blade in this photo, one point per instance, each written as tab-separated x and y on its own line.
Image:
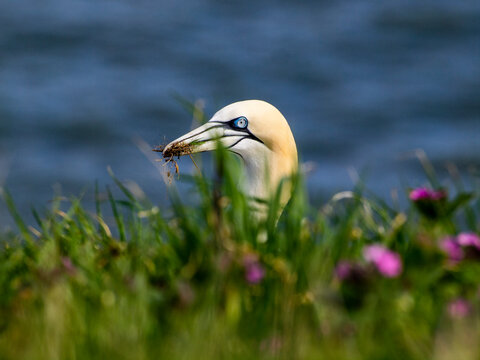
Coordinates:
8	199
117	216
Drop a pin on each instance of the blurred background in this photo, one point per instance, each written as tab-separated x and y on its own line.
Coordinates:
362	84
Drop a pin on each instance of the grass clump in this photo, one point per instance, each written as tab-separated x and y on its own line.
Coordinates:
195	282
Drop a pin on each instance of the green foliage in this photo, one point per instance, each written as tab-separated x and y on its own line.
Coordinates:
213	280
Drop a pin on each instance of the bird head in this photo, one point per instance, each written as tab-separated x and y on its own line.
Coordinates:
254	130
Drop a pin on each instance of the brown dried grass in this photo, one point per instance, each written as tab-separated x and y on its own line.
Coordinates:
176	150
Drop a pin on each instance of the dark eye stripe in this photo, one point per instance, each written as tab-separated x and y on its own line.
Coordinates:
249	136
253	137
236	142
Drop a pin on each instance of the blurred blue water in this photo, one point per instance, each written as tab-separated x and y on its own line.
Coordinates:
361	83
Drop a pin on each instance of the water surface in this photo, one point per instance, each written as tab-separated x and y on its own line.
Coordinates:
362	83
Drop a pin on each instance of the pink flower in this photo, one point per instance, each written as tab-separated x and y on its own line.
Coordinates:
68	265
468	239
459	308
254	271
387	262
343	269
452	248
427	194
464	245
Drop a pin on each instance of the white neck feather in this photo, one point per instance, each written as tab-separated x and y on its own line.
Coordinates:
264	169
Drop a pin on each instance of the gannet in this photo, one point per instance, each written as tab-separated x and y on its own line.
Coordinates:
259	134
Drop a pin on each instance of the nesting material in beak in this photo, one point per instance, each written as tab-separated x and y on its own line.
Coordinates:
174	149
198	140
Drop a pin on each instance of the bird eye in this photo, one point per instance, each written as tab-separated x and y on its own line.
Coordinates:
241	122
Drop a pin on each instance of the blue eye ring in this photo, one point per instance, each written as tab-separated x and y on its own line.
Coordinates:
240	122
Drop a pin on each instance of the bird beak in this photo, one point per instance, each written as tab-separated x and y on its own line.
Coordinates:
198	140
